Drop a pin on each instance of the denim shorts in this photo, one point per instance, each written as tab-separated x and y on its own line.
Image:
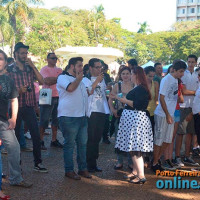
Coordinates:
185	127
177	116
47	112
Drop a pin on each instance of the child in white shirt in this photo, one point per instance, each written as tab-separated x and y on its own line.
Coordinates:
196	111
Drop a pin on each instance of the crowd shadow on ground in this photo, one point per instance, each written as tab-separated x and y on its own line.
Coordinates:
108	185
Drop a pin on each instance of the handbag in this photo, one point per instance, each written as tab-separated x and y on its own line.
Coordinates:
119	110
45	96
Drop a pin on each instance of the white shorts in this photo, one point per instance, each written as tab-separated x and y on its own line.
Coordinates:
163	131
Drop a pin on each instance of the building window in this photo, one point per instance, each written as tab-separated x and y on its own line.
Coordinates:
181	1
192	10
181	11
190	1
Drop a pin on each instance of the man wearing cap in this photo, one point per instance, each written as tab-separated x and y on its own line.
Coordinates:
50	74
24	73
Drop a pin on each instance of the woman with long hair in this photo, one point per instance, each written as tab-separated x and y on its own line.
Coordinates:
123	86
118	78
135	132
154	89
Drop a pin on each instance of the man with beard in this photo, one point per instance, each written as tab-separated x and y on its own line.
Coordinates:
97	111
159	70
23	72
72	108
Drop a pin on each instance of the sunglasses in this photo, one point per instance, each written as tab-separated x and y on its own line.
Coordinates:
54	58
24	53
98	67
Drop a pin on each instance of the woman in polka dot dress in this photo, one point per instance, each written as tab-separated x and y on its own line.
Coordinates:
135	131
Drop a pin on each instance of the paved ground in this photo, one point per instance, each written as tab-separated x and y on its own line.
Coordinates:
108	185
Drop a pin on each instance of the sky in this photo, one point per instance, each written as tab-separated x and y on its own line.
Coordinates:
160	15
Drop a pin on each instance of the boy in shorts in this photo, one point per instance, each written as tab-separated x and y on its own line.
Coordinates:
164	113
190	85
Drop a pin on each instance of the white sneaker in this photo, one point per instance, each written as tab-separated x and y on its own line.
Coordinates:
178	162
40	168
27	135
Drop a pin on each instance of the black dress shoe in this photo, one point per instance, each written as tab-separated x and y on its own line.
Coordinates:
139	181
97	169
91	170
130	176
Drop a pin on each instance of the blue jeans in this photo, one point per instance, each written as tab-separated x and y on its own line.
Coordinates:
22	140
74	129
12	146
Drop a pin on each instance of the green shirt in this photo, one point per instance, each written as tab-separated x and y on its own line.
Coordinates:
157	79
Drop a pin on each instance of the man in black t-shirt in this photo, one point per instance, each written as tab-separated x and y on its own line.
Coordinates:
9	94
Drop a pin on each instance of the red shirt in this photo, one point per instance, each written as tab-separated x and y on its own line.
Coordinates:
24	78
180	86
51	72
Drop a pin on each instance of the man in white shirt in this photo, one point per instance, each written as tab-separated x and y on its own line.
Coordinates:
190	85
97	110
72	108
164	122
196	112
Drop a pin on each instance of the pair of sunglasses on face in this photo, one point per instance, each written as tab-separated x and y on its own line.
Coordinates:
54	58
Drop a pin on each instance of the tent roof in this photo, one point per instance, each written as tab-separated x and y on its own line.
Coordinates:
165	68
106	54
150	63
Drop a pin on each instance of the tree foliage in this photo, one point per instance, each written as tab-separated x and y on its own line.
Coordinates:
47	30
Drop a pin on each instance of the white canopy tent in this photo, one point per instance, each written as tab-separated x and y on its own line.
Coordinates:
150	63
106	54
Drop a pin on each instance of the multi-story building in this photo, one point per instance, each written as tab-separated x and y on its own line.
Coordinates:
187	10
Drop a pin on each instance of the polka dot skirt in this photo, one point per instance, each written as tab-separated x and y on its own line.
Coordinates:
134	132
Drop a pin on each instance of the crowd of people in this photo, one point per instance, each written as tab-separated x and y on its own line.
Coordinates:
150	113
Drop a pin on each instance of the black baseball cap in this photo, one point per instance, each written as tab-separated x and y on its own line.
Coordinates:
20	45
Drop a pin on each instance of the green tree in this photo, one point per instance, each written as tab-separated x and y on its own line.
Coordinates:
17	9
144	28
6	32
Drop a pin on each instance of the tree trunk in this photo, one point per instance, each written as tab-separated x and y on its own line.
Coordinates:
14	26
